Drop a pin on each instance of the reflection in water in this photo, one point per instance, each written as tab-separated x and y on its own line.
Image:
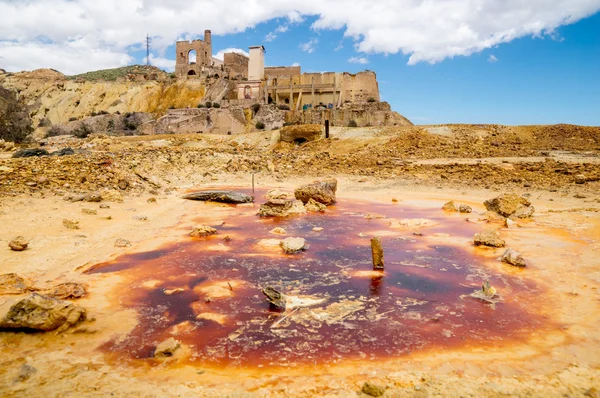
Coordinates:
221	315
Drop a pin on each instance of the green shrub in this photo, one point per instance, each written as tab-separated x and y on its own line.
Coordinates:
83	131
208	104
371	99
201	106
260	125
255	108
55	131
352	123
216	105
72	119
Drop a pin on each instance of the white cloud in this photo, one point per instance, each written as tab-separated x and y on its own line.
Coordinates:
296	64
358	60
270	37
221	54
309	46
163	63
492	59
428	31
70	58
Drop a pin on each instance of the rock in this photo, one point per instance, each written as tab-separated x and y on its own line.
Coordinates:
465	209
70	224
523	212
513	257
140	218
220	196
317	229
508	223
92	197
201	231
488	237
507	204
281	208
18	244
167	348
12	284
277	194
89	211
412	223
450	206
112	195
372	389
301	133
322	191
293	245
63	152
492	217
122	243
151	200
278	231
580	179
67	290
25	372
314	206
123	184
104	206
275	298
41	313
27	153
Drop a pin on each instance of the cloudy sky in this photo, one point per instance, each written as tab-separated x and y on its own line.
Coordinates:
438	61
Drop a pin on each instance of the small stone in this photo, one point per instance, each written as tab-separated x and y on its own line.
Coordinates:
167	348
104	206
151	200
93	197
580	179
140	218
293	245
201	231
489	237
123	184
465	209
67	290
89	211
523	212
322	191
122	243
70	224
278	231
314	206
227	238
25	372
513	257
372	389
281	208
508	223
508	204
450	206
18	244
394	200
317	229
106	218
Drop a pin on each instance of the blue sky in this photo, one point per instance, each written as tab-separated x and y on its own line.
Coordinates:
437	61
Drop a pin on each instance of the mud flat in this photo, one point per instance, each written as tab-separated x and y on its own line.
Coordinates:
413	330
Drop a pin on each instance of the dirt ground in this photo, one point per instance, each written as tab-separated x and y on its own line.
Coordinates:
415	166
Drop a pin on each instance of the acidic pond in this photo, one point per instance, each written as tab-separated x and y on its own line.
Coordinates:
206	292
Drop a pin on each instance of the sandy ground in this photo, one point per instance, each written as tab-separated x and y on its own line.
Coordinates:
563	242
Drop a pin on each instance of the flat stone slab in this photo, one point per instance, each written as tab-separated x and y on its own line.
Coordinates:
220	196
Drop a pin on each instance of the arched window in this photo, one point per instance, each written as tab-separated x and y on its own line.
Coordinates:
192	57
192	73
247	92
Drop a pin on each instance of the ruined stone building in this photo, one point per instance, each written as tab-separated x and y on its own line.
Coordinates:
285	86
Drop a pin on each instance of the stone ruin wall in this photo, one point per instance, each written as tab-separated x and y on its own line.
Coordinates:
236	64
282	71
360	87
203	50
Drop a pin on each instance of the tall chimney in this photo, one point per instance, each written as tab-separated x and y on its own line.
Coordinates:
207	38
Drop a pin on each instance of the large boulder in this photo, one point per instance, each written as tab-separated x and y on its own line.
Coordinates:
281	208
508	205
301	133
293	245
40	313
513	257
220	196
322	191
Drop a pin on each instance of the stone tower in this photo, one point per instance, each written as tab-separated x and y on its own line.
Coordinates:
192	56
